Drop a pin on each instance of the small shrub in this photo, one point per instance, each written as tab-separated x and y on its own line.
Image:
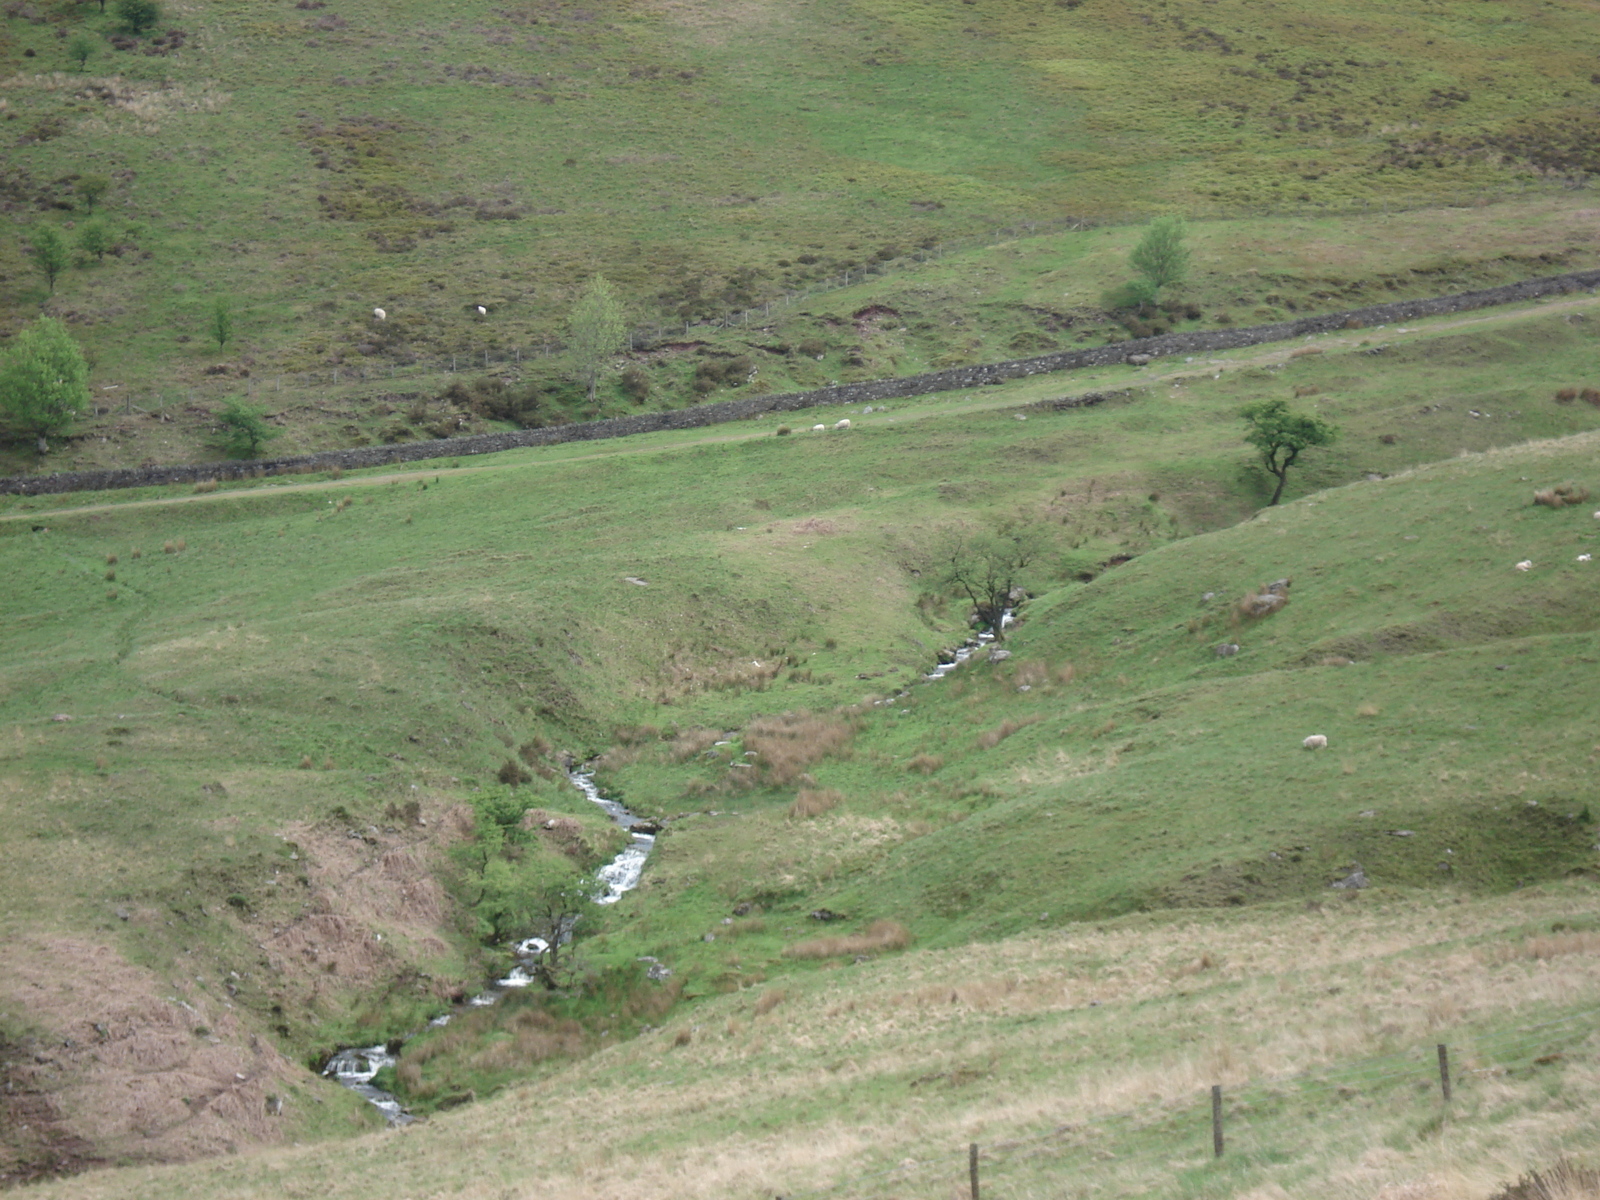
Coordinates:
169	547
1388	439
784	431
532	750
682	1038
136	553
1590	396
636	385
812	802
111	559
1566	395
925	764
305	762
511	773
111	576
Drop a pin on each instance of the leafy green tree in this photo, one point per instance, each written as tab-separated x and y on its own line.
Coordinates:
244	429
49	252
1161	257
92	189
80	49
222	320
987	565
94	239
44	381
138	15
1280	435
595	330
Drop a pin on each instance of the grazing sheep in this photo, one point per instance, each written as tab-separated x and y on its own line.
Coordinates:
482	311
823	429
1525	565
1585	557
844	424
380	314
1315	742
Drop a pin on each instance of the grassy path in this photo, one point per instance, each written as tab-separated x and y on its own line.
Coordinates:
978	400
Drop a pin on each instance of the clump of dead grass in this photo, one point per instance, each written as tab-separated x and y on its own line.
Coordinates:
205	486
813	802
769	1000
690	743
1262	601
925	764
990	738
1561	495
875	939
786	745
1565	1180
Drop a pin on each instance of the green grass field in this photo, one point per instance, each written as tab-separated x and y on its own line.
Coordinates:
273	682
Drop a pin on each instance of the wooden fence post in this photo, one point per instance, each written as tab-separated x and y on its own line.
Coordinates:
1444	1072
972	1168
1216	1120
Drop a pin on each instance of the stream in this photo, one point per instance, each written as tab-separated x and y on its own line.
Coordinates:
356	1066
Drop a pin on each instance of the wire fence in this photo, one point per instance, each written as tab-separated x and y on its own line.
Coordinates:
378	377
1104	1153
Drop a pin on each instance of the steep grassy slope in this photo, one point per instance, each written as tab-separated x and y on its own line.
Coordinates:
312	163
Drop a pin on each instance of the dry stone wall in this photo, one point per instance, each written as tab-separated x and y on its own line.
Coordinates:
1197	342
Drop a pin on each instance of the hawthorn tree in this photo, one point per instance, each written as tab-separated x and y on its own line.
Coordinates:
244	429
1161	257
49	252
1280	436
138	15
987	566
44	381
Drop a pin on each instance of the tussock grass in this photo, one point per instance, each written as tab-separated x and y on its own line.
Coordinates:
878	937
813	802
786	746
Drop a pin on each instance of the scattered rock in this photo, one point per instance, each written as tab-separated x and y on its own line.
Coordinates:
827	914
1354	881
1139	360
999	655
1226	650
61	717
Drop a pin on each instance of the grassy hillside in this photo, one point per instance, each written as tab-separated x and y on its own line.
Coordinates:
309	164
282	701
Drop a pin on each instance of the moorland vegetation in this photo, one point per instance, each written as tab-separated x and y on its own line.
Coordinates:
285	758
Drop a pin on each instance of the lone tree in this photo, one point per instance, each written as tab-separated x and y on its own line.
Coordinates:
50	252
80	49
987	566
222	320
244	429
92	189
1280	435
94	239
595	329
1161	257
44	381
138	15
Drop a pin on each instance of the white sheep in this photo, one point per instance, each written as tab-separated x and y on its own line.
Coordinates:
1525	565
482	311
380	314
844	424
818	428
1315	742
1585	557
